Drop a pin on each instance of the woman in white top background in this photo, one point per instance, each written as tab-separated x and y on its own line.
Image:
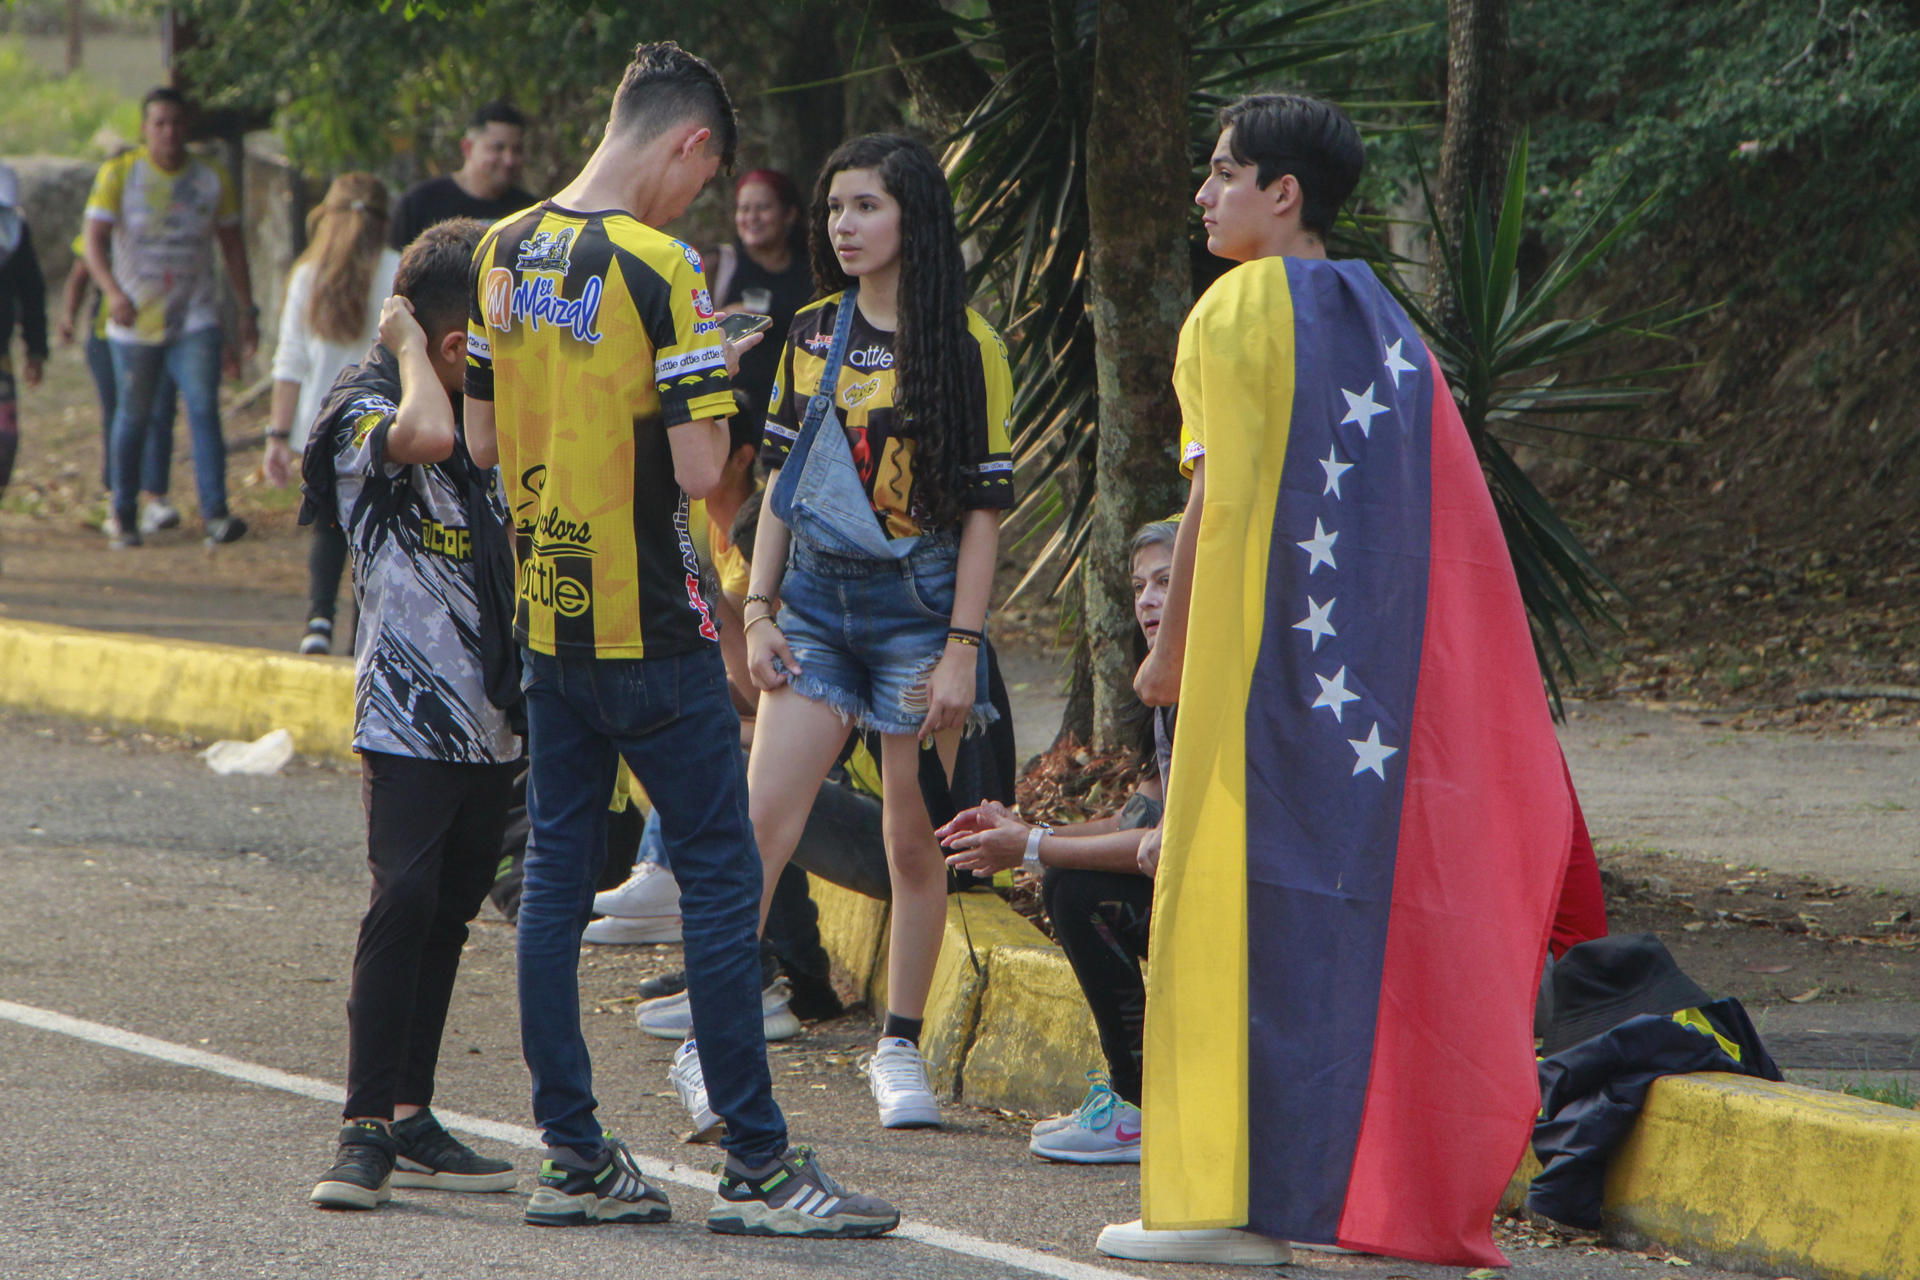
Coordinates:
328	322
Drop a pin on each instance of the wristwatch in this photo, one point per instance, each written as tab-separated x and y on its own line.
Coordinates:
1038	832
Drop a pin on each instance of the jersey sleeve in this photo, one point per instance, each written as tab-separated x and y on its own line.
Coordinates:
479	380
109	186
1186	386
782	425
989	471
690	366
361	445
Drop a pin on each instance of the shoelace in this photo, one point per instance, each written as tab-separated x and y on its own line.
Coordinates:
1098	1106
897	1070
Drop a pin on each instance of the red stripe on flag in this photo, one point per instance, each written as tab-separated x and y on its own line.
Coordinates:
1484	833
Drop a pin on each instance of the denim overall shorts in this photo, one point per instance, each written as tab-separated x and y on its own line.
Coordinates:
865	615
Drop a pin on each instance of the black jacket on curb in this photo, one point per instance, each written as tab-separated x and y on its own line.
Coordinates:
1591	1094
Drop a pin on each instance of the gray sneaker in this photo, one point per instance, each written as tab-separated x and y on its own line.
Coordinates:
794	1196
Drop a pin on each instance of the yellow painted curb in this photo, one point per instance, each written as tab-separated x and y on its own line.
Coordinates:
1006	1024
178	686
1750	1174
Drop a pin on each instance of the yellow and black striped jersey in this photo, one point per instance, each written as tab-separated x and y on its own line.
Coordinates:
593	335
882	446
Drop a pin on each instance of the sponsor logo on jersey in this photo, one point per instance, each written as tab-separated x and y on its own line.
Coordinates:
703	304
858	393
689	363
537	301
542	584
690	562
819	342
496	300
705	326
557	534
871	358
445	540
545	251
691	254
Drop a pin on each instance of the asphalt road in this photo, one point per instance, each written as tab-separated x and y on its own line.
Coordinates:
173	955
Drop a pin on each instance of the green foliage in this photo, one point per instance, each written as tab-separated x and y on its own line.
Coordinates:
1019	166
1506	367
1735	110
1893	1093
46	114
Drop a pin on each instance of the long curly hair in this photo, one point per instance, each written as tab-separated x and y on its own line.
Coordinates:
345	234
938	393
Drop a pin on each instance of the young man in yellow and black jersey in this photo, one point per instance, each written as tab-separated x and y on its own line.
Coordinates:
595	361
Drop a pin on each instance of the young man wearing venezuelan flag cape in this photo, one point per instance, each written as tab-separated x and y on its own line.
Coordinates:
1368	818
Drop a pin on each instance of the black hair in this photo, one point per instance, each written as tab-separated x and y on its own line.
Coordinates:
168	94
938	394
436	272
497	112
664	85
1306	137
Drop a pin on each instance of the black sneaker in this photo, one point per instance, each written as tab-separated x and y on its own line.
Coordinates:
794	1196
429	1156
361	1170
225	529
813	998
613	1191
663	986
318	637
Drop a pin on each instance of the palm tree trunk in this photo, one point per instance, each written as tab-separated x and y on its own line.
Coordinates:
1138	174
1473	146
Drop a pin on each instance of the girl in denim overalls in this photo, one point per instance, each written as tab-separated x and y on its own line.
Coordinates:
887	440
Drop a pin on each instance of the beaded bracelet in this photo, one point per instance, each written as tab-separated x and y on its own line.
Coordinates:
765	600
969	638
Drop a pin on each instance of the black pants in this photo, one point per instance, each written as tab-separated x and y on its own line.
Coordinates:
326	561
1101	920
433	842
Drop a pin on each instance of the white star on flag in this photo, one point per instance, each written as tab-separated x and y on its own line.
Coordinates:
1334	468
1396	363
1334	697
1362	409
1371	754
1318	621
1319	548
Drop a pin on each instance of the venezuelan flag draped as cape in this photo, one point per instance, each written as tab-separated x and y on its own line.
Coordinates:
1368	816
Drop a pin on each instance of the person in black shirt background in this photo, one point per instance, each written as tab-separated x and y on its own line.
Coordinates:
765	271
485	186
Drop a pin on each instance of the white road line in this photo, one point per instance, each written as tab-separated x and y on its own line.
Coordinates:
220	1064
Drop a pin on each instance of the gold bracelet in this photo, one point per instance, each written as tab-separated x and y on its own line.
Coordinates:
763	617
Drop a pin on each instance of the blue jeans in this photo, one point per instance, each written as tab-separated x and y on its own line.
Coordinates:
672	721
193	362
156	459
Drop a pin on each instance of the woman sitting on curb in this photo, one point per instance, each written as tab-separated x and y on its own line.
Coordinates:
1098	888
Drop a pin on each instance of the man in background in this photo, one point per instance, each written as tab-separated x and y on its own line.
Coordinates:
485	186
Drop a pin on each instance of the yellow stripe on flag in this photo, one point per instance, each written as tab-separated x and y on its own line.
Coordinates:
1195	1089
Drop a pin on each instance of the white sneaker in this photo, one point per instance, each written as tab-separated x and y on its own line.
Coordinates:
157	516
1105	1130
671	1018
627	930
898	1075
690	1082
649	891
1222	1246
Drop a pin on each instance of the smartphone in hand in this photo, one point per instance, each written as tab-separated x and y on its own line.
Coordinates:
743	324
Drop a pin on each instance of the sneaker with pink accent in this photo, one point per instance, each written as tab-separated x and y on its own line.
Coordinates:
1105	1130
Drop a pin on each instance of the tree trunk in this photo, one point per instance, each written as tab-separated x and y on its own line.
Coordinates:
1473	147
1138	175
76	35
944	79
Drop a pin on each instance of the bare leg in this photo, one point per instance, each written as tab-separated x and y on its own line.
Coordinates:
795	742
919	871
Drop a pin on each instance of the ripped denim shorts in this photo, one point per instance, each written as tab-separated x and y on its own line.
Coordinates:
868	633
